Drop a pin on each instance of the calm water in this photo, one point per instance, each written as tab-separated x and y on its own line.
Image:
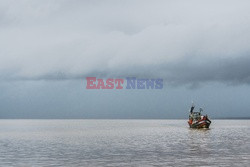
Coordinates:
123	143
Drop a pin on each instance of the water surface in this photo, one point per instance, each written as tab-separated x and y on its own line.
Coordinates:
123	143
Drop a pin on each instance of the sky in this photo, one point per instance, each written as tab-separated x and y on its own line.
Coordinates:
199	48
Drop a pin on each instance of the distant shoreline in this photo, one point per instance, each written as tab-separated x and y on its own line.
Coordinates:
229	118
233	118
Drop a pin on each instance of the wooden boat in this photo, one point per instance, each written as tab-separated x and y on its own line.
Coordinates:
197	120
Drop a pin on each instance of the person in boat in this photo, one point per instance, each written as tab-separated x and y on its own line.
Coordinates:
191	113
192	109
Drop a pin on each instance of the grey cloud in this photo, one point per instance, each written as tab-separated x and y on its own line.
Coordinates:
183	42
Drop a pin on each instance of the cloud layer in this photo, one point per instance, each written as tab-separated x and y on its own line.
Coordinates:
181	41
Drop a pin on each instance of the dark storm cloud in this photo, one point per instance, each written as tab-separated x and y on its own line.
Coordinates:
229	70
184	42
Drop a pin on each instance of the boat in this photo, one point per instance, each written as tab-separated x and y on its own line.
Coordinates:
197	120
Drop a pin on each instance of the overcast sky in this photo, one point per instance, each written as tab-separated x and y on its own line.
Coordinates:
200	48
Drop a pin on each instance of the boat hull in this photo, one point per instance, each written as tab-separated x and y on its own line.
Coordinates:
200	124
